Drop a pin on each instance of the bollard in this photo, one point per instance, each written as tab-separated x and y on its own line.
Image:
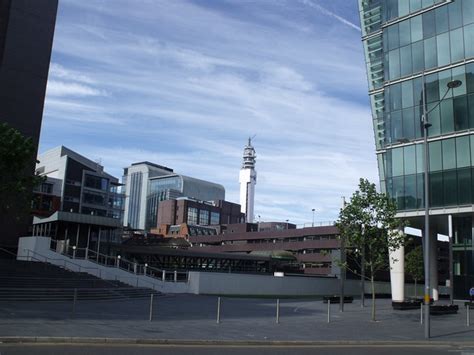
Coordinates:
218	320
468	320
74	299
137	281
163	275
175	276
278	311
151	307
329	310
421	313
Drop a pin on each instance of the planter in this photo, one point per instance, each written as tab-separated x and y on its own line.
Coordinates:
337	299
438	310
407	305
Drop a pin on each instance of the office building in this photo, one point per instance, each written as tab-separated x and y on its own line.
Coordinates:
202	213
313	247
26	37
414	47
146	184
248	180
78	202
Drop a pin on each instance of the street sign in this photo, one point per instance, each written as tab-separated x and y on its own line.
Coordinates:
471	292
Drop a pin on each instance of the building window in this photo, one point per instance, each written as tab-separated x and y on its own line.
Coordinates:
46	188
192	216
94	211
96	182
203	217
215	218
92	198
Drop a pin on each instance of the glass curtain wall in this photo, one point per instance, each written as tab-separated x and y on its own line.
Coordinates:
411	45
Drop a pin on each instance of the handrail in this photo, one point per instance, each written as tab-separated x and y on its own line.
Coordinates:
8	252
65	260
133	268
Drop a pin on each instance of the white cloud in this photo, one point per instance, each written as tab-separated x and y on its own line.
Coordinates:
332	14
57	71
62	88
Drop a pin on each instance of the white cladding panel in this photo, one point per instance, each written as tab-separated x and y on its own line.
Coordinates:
248	180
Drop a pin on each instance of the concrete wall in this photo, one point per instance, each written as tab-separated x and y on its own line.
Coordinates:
264	285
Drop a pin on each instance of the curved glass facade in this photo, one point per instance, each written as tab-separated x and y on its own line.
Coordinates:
411	47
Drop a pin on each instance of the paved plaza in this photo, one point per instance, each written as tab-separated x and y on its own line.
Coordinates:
191	317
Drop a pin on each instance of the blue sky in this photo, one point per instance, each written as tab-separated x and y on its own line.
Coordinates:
184	83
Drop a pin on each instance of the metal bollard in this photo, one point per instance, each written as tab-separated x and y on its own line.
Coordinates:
74	299
278	311
151	307
329	310
468	320
163	275
421	313
218	320
175	276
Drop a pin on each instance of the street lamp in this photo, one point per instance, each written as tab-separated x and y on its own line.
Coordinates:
424	121
312	225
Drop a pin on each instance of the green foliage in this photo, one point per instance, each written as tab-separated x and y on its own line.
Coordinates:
368	229
17	154
414	263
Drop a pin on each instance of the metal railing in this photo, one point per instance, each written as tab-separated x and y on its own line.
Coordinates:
65	294
121	263
68	265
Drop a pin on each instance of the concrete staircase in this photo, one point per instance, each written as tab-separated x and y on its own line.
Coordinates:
37	281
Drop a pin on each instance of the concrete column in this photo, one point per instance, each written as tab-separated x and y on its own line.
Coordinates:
397	273
77	234
434	266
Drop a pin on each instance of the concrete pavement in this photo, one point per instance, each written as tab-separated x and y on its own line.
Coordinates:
193	317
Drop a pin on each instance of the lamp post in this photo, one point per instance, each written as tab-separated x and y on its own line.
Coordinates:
424	121
287	223
313	210
342	271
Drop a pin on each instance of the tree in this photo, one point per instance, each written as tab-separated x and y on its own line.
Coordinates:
368	228
414	264
17	180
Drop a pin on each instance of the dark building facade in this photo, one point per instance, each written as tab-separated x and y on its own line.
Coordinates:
312	246
203	213
26	37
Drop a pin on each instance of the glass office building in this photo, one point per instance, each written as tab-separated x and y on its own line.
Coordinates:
170	187
411	44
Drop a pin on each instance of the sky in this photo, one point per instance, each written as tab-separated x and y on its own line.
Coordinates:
185	83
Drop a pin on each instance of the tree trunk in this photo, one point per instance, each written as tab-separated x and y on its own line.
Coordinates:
373	297
416	291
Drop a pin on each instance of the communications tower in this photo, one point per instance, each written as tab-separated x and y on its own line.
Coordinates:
248	180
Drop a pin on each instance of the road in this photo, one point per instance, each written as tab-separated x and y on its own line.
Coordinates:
124	349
